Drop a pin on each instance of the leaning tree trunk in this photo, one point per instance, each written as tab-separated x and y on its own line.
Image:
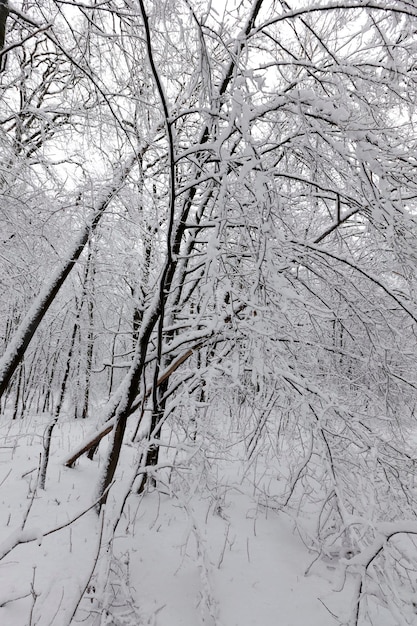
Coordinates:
22	337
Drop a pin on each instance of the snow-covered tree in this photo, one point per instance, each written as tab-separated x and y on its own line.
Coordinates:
220	205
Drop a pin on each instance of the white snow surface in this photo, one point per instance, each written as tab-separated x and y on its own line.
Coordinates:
201	550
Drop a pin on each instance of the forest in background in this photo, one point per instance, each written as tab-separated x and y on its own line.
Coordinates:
208	245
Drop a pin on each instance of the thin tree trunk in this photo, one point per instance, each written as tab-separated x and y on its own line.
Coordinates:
18	392
113	351
48	433
89	293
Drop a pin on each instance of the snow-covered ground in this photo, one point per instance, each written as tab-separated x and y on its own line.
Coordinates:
202	549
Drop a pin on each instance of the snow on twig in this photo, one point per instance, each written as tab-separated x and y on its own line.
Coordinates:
35	534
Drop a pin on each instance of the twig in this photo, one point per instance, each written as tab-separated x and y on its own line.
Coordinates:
15	598
92	569
6	477
220	561
27	536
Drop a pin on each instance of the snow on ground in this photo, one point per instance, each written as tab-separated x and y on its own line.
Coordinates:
254	565
201	551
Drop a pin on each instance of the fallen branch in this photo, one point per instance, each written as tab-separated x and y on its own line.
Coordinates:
91	442
35	534
95	438
361	562
13	597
